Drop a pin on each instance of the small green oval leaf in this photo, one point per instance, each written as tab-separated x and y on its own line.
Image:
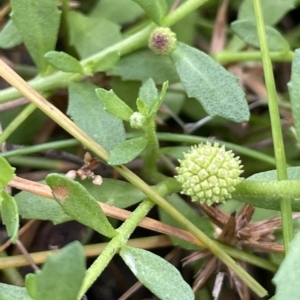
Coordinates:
11	292
64	62
89	35
113	104
7	172
246	30
111	191
293	174
287	277
10	36
88	113
156	10
79	204
148	93
175	151
30	284
158	275
38	24
142	107
159	99
204	79
145	64
294	89
272	11
110	10
10	216
127	151
35	207
62	274
117	193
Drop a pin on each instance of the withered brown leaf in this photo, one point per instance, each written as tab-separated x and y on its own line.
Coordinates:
236	230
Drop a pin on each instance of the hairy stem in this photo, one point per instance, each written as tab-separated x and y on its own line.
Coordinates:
285	203
114	245
14	79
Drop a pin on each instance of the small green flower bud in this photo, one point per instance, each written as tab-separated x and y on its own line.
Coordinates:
208	173
137	120
162	41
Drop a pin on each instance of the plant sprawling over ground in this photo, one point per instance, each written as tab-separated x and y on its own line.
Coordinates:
181	117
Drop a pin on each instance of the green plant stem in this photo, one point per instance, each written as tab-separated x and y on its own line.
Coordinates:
191	139
225	57
12	274
26	70
60	79
15	80
285	203
17	121
40	148
267	194
125	230
170	137
151	153
129	44
41	163
251	259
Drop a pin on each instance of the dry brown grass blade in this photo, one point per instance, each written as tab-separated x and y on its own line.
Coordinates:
255	83
243	219
246	213
219	33
216	215
237	231
89	251
205	273
241	288
21	231
263	247
114	212
228	234
13	104
195	256
4	11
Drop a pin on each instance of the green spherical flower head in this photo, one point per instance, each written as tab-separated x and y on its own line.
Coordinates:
162	41
208	173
